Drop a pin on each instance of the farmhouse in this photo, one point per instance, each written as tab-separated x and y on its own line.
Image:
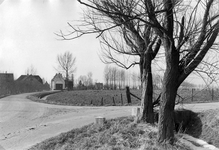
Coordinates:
98	86
58	82
30	78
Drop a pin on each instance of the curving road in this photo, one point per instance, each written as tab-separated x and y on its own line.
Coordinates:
24	123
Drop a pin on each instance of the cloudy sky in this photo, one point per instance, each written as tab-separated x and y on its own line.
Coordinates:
27	38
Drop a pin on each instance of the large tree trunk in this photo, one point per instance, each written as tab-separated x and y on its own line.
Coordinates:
169	91
147	90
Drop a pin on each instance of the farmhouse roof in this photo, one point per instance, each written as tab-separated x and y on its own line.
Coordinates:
58	76
25	77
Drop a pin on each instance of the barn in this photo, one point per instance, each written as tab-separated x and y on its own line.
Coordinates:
58	82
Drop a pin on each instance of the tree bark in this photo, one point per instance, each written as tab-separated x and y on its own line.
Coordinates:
169	91
147	90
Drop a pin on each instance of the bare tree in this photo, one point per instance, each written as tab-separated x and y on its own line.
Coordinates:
66	64
133	38
106	76
185	42
123	78
120	78
144	25
31	70
90	80
114	76
83	79
134	79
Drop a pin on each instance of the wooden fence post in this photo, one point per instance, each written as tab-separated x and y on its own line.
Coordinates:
102	101
192	95
212	94
128	95
114	104
121	100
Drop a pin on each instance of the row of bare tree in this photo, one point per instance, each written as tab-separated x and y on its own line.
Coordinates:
132	32
114	78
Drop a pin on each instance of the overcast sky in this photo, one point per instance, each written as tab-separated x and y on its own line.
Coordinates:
27	38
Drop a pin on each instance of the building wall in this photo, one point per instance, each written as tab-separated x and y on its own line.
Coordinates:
57	80
6	83
6	77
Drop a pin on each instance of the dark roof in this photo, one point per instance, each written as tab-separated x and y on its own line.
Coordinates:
21	78
58	76
38	78
24	77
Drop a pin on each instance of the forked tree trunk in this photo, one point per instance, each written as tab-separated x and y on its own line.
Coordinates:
169	91
147	91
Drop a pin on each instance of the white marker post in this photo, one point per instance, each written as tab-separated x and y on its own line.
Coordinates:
100	120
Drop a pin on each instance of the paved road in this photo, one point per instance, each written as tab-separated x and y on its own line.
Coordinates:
24	123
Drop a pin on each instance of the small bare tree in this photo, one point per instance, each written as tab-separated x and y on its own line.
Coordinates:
90	80
66	64
107	76
31	70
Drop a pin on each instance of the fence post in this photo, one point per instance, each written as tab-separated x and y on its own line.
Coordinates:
212	94
102	101
114	104
121	99
192	95
128	95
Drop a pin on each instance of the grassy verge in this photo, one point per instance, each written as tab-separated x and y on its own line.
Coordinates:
37	97
123	134
116	134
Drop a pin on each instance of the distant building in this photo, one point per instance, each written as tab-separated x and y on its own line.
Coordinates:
30	78
58	82
47	85
6	78
98	86
6	83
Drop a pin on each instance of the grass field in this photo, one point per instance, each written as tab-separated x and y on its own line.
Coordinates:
93	97
118	97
